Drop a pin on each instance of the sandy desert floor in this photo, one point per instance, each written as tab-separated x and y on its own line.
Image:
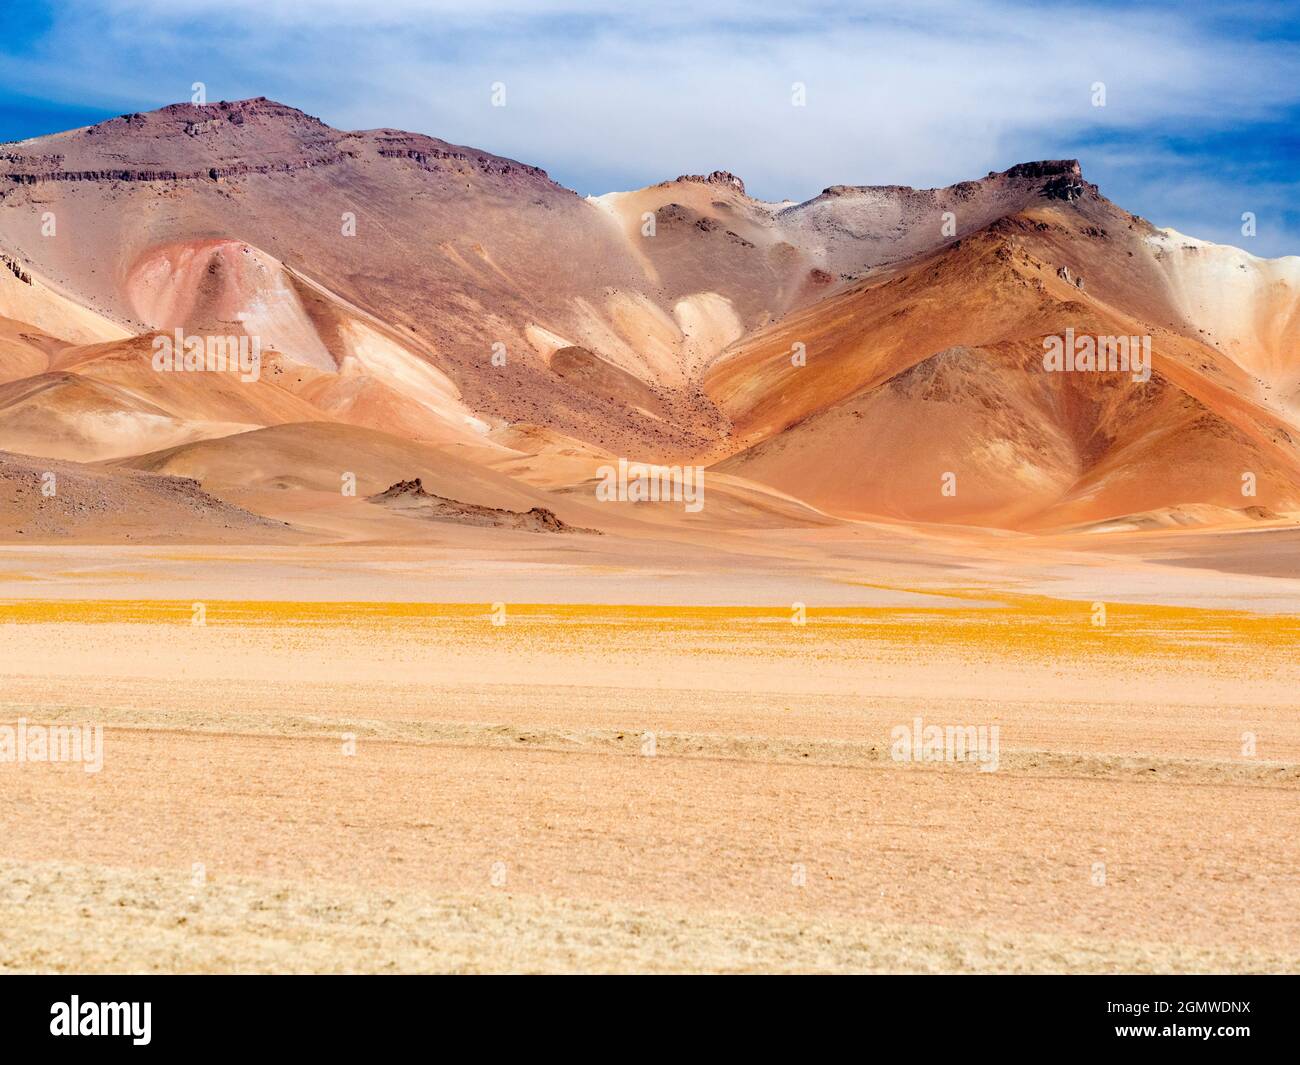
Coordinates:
395	784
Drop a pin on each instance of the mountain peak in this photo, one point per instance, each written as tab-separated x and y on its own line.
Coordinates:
718	177
238	111
230	138
1059	179
1055	178
196	118
1044	168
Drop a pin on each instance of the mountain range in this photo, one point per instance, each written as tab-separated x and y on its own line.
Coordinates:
427	310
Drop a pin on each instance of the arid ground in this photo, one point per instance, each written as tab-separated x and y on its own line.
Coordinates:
439	776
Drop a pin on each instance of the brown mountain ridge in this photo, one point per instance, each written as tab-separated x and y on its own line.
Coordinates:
847	353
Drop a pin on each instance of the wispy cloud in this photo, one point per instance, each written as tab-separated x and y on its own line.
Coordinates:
608	95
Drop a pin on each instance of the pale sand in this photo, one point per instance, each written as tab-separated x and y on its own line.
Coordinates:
158	922
769	830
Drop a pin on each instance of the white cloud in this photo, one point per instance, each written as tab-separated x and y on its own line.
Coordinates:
603	94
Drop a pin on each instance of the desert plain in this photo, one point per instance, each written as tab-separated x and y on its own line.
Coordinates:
627	771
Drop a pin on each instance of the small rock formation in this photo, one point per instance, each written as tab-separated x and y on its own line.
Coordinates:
1063	188
718	177
16	270
411	498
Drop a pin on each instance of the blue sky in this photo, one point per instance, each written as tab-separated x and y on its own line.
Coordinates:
1201	119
